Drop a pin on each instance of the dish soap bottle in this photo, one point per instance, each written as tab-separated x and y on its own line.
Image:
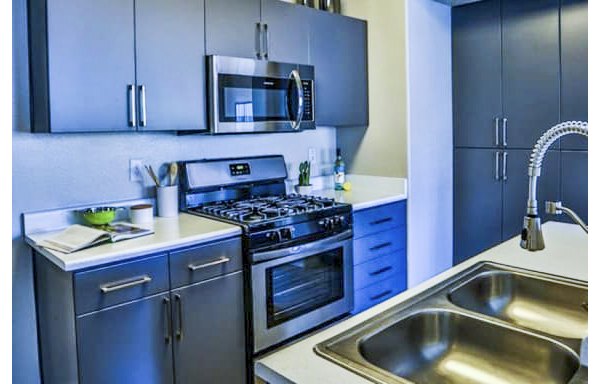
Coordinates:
339	171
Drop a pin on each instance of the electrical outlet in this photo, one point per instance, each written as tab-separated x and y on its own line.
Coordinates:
312	155
136	167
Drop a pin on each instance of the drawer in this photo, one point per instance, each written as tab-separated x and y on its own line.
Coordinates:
379	244
377	219
379	269
374	294
204	262
103	287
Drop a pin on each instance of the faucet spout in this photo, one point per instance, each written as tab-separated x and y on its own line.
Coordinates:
532	238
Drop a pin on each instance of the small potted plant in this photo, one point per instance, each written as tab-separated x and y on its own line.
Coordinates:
304	187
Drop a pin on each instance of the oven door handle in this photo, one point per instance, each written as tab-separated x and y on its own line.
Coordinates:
295	76
299	249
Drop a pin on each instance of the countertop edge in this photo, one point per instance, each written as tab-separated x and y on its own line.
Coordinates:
378	202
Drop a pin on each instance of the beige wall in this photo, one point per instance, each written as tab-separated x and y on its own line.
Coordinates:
380	149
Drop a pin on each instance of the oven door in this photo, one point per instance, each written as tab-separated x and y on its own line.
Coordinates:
296	289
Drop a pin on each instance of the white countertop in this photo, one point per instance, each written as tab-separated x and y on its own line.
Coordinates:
368	191
565	255
169	233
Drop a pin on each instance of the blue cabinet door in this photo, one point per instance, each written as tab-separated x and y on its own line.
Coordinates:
477	74
287	28
170	65
574	67
90	65
531	69
232	28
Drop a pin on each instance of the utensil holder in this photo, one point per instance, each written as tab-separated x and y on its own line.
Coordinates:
167	199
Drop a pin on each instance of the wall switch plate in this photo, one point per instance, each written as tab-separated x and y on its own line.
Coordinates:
136	167
312	155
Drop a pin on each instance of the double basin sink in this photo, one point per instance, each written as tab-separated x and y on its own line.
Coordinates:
490	324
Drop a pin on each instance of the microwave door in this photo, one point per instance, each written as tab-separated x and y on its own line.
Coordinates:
295	99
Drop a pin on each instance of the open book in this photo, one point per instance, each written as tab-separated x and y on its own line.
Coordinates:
77	237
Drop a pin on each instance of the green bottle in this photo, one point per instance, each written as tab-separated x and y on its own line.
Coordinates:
339	171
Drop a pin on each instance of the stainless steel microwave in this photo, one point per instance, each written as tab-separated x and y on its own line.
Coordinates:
254	96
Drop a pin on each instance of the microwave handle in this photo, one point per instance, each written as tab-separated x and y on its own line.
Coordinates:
295	76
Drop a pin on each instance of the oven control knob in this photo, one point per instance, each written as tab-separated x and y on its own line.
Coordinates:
287	233
274	236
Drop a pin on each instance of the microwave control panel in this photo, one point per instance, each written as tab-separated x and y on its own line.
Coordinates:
308	90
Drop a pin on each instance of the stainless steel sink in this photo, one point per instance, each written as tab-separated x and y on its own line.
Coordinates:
549	306
477	327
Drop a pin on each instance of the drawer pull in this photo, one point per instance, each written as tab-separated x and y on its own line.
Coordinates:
381	295
128	283
381	221
380	271
380	246
221	260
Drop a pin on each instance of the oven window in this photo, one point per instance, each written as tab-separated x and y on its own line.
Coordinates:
301	286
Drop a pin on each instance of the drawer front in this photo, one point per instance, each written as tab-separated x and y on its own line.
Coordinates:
373	220
379	269
204	262
374	294
372	246
103	287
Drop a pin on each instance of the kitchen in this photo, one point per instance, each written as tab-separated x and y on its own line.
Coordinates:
408	68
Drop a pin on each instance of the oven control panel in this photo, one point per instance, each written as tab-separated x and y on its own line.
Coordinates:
239	169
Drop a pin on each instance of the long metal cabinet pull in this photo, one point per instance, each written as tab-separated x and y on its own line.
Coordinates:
142	91
168	323
118	285
497	177
259	47
504	131
221	260
132	109
179	332
266	41
504	158
497	124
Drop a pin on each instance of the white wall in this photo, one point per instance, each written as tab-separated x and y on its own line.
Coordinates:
429	80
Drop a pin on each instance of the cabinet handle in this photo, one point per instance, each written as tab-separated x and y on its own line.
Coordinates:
379	296
221	260
380	271
122	284
179	333
168	323
497	124
132	109
142	94
380	246
266	41
381	221
497	168
259	48
504	132
504	158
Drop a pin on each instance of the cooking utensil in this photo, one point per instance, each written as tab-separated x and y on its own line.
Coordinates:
172	173
152	175
99	215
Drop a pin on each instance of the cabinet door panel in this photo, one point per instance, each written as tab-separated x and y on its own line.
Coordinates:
90	64
574	65
477	202
338	50
231	27
477	73
170	63
288	31
126	344
574	183
516	189
212	344
531	63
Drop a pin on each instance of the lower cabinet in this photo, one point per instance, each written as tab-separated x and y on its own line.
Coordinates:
379	254
127	323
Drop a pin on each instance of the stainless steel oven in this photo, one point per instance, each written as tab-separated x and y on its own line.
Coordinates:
252	96
298	288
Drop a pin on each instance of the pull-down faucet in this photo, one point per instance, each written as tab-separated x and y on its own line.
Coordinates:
532	238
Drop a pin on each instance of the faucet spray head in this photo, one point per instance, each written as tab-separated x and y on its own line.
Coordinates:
532	237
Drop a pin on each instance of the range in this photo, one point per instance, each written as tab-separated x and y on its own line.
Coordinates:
297	249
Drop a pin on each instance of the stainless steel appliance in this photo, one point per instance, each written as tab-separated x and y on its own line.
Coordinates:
298	249
253	96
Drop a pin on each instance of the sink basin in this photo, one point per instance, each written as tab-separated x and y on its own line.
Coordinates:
548	306
447	347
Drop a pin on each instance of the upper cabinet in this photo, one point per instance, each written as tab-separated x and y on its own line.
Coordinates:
86	56
338	51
